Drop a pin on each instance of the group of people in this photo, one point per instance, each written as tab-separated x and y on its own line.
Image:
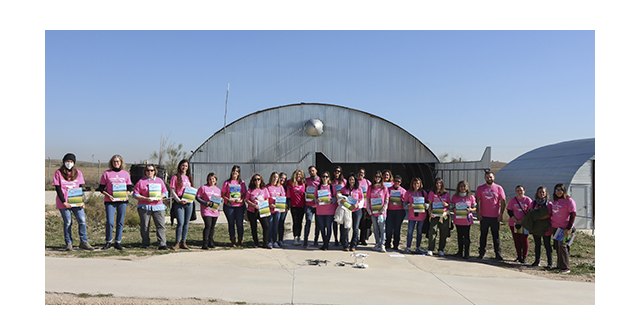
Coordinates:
351	207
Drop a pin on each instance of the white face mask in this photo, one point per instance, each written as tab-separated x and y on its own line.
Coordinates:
463	194
68	165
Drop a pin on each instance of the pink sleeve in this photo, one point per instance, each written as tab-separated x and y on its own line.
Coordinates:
56	178
201	192
137	187
80	178
103	179
172	183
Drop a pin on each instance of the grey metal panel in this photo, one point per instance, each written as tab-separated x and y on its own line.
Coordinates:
583	175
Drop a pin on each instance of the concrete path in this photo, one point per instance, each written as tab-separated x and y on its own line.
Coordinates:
261	276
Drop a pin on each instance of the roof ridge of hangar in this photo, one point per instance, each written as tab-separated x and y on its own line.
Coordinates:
319	104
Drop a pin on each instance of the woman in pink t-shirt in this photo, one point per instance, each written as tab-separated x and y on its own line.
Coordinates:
233	192
438	218
257	194
295	194
325	208
462	207
115	185
206	195
563	214
378	202
352	194
283	215
183	208
275	190
338	182
416	200
517	207
69	179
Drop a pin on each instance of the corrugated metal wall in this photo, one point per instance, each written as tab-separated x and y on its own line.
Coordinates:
275	140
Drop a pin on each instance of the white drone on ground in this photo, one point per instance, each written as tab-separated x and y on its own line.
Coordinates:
360	260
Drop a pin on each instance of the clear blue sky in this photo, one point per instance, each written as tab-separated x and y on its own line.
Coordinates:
457	91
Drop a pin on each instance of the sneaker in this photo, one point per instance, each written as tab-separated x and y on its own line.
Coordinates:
352	249
336	244
315	243
296	241
69	247
535	264
269	245
407	251
429	253
205	247
565	271
106	246
86	246
118	246
481	256
163	247
345	249
441	253
499	258
383	249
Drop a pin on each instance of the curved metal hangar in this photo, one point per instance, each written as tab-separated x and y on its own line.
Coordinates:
295	136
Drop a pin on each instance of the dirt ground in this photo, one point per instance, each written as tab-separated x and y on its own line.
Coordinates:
52	298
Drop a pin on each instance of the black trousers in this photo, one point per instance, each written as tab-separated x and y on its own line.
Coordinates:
297	214
207	233
485	224
464	240
537	239
254	217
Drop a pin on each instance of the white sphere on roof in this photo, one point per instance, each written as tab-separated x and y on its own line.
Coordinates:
314	127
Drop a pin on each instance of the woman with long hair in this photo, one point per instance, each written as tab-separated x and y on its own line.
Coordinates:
563	215
233	192
362	224
275	190
348	217
337	182
295	194
325	208
69	179
206	195
115	185
438	217
463	205
179	183
517	208
377	208
283	215
541	201
257	194
150	191
416	200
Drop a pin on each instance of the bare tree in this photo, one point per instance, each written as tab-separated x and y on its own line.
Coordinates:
169	154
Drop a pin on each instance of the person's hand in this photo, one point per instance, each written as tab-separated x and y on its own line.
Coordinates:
110	196
66	205
518	226
182	201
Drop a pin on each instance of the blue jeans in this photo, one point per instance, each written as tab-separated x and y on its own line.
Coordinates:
183	213
283	216
235	220
378	229
274	222
356	217
325	223
393	227
412	225
310	213
113	208
82	223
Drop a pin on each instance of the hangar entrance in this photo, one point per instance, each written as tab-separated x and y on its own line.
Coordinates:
407	171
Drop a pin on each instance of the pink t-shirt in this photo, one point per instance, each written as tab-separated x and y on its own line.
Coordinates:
185	183
560	210
311	185
295	193
488	198
408	199
142	188
275	191
226	192
65	185
206	193
111	177
439	201
378	193
258	194
395	198
519	210
458	201
328	209
364	185
356	194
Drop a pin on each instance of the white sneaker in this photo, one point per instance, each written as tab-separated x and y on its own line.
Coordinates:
441	253
383	249
429	253
296	241
269	245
